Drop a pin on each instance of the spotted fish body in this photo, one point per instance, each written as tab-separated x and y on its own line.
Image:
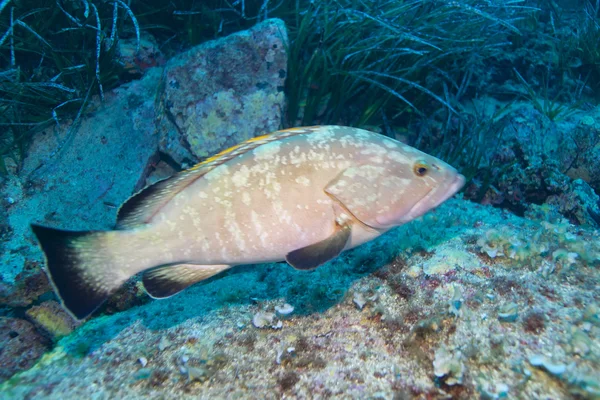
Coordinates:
301	195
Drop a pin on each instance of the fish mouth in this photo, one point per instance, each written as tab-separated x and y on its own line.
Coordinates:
457	184
425	204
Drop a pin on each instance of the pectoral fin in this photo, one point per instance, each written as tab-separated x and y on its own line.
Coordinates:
166	281
310	257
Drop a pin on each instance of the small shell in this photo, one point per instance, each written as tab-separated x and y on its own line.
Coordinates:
285	309
448	365
508	312
196	374
543	362
455	303
163	344
359	300
263	319
581	343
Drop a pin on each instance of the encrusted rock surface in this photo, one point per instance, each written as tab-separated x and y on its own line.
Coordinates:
510	309
20	346
51	319
534	160
224	92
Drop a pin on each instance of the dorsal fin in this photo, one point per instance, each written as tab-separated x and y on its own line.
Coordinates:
141	207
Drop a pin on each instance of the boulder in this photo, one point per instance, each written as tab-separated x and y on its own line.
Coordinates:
20	346
50	318
223	92
138	57
539	161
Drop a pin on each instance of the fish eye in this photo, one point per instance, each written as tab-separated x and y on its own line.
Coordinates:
420	168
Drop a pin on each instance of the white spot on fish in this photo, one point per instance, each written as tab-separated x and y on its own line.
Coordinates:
218	172
234	230
267	151
303	180
390	144
363	135
410	150
240	177
397	182
316	156
347	140
204	244
172	225
399	157
373	149
320	138
297	159
258	228
246	199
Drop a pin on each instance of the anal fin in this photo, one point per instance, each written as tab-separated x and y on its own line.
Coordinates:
310	257
166	281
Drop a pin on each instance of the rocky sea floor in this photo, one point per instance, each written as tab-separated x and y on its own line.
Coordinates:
468	302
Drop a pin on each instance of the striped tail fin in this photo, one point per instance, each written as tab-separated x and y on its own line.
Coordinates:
82	267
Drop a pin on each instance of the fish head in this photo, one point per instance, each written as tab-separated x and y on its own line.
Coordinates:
400	186
411	189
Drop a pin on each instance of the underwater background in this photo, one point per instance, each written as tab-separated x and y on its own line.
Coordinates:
494	294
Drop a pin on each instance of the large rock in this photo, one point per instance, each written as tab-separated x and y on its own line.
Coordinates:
76	179
223	92
20	346
51	319
539	161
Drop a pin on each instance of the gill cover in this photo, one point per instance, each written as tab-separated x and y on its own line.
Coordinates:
376	195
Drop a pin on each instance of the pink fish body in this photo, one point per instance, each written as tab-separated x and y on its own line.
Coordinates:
302	195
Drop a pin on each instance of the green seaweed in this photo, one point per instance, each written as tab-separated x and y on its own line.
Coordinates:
349	61
52	55
549	106
357	63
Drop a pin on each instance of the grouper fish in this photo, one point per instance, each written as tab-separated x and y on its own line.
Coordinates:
302	195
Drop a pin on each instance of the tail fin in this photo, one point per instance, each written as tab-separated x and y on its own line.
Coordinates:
82	271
